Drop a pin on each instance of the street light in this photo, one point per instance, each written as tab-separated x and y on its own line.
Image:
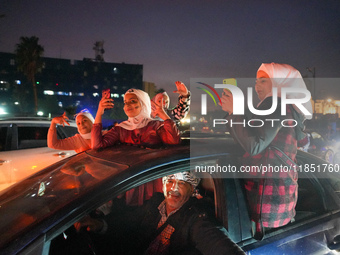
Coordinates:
312	70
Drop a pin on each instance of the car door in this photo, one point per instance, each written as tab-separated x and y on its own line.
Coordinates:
316	226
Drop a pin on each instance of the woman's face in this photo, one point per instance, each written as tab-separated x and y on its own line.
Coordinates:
84	124
263	85
158	100
132	106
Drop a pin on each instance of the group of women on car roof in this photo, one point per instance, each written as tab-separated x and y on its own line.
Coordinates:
139	129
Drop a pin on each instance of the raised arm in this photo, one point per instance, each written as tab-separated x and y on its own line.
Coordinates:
52	139
256	139
97	139
183	106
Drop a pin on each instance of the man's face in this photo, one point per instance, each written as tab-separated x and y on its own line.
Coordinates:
176	193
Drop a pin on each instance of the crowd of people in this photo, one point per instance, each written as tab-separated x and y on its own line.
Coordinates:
176	220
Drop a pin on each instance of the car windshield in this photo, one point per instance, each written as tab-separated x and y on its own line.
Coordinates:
36	198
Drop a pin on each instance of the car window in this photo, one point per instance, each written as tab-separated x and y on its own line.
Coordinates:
310	200
123	219
335	184
32	137
3	134
67	131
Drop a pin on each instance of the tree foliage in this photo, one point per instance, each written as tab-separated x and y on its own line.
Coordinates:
29	61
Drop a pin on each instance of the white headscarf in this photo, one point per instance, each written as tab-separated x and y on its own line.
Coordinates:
143	118
160	96
88	115
286	76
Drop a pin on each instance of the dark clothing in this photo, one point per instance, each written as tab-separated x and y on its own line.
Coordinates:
195	231
272	196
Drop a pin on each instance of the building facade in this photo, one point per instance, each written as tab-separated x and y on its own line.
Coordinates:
64	83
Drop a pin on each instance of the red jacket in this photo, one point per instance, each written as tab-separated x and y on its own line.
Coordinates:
155	133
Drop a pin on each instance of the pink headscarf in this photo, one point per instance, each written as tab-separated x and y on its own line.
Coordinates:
286	76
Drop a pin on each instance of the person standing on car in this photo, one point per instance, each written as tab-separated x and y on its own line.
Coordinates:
181	110
272	198
140	128
79	142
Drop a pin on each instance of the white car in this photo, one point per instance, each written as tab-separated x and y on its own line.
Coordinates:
23	147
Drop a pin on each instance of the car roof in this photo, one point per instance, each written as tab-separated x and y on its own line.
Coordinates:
30	120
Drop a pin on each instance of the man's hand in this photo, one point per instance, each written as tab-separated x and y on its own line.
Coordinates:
181	89
61	120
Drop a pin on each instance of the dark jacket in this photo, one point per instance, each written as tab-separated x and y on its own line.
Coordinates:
196	232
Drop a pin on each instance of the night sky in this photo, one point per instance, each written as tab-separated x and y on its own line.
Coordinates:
179	40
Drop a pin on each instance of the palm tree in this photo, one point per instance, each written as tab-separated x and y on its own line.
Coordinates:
28	56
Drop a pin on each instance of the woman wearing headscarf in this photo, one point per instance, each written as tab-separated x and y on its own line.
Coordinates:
272	198
138	129
79	142
182	108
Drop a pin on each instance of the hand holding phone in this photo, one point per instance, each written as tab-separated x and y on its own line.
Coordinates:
226	92
230	81
106	93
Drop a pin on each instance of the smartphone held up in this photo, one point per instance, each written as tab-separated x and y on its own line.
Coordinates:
106	94
230	81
